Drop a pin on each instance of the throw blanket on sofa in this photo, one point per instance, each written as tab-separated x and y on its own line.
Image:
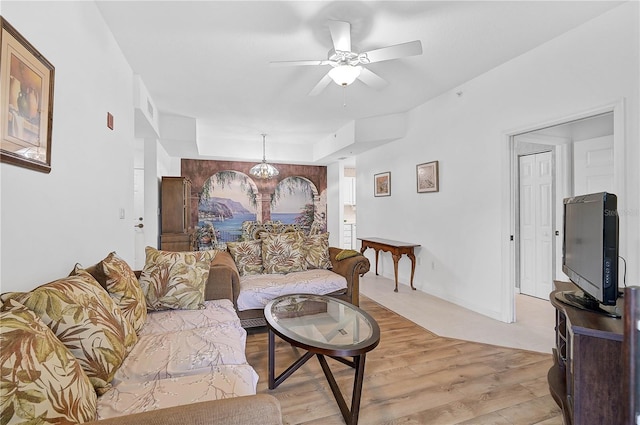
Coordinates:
258	289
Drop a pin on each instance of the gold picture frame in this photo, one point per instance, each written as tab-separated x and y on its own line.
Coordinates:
26	99
382	184
427	177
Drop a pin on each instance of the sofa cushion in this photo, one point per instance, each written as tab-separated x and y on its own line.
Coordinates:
42	382
188	352
175	280
247	255
123	287
221	382
257	290
317	251
283	252
215	313
86	320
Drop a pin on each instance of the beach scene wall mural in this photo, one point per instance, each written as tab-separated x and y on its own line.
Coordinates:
224	196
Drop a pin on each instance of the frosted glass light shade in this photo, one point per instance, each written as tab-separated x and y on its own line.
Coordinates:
344	75
264	171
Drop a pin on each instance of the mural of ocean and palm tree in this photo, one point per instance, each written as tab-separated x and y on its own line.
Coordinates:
229	198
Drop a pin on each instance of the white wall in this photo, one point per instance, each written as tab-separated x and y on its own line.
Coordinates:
51	221
464	228
334	207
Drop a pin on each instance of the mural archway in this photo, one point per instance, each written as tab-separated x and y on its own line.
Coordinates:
294	201
228	198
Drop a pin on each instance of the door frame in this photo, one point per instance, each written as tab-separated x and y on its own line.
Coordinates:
510	190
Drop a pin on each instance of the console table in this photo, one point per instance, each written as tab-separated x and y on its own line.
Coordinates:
586	377
396	249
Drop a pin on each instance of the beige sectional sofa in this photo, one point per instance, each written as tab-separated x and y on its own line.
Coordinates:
83	348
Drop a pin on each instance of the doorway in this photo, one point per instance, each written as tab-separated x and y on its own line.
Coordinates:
552	163
536	186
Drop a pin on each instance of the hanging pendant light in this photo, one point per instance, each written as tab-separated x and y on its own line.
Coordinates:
264	170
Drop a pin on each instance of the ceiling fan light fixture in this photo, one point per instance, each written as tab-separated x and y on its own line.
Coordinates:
344	75
264	170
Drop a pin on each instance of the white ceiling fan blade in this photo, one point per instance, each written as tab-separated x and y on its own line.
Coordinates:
324	82
411	48
300	63
372	79
341	35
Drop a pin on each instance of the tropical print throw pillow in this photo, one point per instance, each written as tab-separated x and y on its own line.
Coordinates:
175	280
247	256
283	253
86	320
123	287
42	382
317	255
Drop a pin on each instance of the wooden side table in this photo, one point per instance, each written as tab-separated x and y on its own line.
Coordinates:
396	249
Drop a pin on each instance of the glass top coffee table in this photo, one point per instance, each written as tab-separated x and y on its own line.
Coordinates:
323	326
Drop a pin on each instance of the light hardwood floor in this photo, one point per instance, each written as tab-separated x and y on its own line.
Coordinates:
416	377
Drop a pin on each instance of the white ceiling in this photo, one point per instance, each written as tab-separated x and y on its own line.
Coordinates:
209	60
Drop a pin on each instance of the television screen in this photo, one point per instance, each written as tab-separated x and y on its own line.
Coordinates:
590	250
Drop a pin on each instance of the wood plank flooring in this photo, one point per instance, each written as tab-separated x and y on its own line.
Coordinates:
416	377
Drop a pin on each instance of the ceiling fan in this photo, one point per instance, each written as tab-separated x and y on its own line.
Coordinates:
347	66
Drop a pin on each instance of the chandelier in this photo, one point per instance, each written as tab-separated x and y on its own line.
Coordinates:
264	170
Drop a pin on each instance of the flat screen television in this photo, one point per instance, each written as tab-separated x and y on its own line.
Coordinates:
590	252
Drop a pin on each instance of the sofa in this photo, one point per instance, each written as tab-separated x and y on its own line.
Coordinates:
272	259
111	345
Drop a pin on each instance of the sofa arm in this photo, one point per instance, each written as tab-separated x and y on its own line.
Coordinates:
260	409
351	268
224	279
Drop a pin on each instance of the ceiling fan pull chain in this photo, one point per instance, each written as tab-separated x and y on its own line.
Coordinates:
344	96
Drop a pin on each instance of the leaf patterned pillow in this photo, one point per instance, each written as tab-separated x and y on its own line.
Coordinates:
283	253
318	251
247	256
175	280
42	382
86	320
123	287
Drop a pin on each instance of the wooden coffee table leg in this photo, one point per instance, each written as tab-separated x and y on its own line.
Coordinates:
357	388
272	360
350	416
273	380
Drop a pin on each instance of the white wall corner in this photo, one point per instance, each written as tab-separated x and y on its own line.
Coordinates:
146	112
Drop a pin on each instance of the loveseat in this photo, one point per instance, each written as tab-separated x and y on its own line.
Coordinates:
274	259
106	344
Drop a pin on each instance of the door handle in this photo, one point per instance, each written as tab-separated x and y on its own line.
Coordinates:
139	226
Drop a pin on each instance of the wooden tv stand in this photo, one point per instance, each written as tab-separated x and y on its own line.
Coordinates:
586	378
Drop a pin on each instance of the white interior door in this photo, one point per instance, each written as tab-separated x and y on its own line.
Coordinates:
138	218
593	165
536	224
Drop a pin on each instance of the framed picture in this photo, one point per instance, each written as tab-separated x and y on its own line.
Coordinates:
427	177
382	184
26	102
